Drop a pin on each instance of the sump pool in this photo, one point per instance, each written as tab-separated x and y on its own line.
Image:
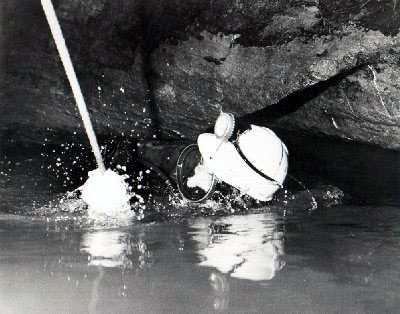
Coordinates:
281	258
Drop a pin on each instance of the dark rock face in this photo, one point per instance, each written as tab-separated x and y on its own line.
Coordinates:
166	68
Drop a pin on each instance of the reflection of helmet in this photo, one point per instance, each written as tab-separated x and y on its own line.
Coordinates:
248	247
256	163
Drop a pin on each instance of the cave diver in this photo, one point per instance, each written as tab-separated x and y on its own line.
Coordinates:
238	155
247	157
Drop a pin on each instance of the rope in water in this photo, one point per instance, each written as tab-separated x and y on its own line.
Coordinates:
314	204
73	81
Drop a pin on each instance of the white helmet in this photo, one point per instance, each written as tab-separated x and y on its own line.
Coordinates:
256	162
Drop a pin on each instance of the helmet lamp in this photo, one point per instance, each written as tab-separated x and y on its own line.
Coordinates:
224	126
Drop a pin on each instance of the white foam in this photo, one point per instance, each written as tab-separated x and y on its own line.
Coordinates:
106	194
202	178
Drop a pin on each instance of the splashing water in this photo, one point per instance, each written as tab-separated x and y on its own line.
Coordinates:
105	192
69	70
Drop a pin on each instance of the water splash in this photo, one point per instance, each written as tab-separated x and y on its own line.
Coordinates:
105	191
69	70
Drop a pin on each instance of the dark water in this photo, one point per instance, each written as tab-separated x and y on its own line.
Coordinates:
276	259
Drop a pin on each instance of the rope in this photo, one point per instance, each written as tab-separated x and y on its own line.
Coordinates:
73	81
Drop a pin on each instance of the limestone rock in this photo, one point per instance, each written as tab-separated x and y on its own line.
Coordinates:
160	68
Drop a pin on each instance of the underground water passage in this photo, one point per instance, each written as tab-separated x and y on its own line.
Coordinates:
176	257
326	242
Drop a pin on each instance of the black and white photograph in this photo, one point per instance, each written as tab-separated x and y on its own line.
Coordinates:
199	156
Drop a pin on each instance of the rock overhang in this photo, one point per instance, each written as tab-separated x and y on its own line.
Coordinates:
166	69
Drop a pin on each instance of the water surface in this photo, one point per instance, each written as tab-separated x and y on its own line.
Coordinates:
276	259
344	260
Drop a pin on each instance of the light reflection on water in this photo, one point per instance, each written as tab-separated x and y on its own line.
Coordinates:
112	249
338	260
115	248
108	248
243	247
246	247
232	264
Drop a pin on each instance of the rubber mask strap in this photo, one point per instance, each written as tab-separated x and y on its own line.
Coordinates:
252	166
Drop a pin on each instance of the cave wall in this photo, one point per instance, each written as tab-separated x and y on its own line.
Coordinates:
152	69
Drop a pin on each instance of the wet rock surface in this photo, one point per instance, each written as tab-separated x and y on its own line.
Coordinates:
166	68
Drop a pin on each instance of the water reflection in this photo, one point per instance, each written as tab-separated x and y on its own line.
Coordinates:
220	285
116	248
107	248
245	247
113	248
